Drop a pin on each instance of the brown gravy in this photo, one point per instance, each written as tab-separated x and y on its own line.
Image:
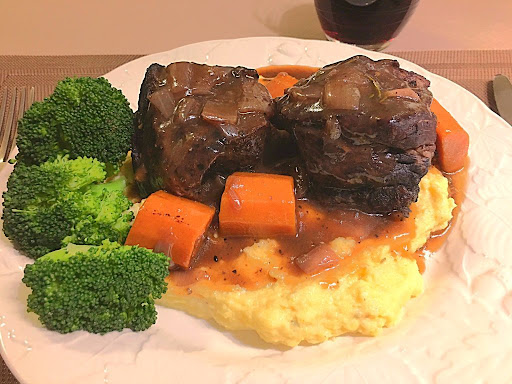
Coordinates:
219	256
218	263
458	184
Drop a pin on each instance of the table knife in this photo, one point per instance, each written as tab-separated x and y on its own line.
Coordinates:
503	97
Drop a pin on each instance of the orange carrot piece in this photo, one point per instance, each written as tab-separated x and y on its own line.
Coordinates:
278	84
452	140
259	205
171	224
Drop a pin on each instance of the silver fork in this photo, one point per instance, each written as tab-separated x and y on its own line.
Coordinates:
21	100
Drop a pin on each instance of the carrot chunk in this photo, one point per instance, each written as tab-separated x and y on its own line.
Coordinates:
278	84
452	140
171	224
258	204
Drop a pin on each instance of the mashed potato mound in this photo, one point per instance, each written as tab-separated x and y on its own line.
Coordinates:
361	300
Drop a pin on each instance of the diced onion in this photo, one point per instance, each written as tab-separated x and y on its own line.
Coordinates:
255	98
180	77
318	260
188	108
220	112
340	95
306	92
203	80
163	100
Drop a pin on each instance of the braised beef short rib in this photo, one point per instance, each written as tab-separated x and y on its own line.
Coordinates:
195	125
365	132
360	132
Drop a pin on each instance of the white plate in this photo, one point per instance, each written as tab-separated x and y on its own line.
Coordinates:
458	331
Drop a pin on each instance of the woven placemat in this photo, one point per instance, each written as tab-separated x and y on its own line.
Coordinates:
474	70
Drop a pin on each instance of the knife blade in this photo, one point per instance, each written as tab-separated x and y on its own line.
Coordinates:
503	97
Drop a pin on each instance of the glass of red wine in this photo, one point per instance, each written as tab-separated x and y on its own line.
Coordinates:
370	24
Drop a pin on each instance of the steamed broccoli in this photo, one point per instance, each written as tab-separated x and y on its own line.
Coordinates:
50	205
97	288
84	117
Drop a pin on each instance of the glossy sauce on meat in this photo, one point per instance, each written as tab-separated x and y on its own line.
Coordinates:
364	131
217	263
195	125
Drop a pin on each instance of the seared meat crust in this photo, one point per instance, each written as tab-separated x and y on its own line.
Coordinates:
365	132
195	125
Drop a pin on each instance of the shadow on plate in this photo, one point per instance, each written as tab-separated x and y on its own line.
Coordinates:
251	339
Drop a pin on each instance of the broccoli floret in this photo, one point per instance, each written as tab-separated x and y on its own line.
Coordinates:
104	214
84	117
50	205
97	288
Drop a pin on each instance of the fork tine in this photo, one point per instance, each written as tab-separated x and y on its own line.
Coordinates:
6	128
21	100
3	105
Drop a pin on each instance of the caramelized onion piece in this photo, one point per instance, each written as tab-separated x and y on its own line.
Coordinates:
202	81
188	108
340	95
405	93
306	92
163	100
255	98
319	259
180	77
220	112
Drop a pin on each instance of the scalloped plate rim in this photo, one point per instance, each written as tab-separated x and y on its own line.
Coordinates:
21	374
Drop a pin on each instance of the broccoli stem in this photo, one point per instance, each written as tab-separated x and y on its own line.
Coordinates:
117	184
66	252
